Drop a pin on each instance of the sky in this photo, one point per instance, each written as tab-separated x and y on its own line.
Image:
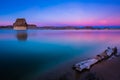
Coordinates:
61	12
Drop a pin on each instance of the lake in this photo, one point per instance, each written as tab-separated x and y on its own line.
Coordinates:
33	54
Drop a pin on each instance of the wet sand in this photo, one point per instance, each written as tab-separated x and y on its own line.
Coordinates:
108	69
105	70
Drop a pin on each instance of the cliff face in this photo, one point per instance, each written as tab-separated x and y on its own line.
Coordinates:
20	24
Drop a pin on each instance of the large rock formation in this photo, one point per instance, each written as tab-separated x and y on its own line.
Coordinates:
20	24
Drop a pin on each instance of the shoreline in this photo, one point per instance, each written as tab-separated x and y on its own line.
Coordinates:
105	70
58	29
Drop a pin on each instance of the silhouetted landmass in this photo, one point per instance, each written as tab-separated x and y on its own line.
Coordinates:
75	28
21	24
6	27
33	26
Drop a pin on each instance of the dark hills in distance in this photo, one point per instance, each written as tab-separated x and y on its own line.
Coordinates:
21	24
32	26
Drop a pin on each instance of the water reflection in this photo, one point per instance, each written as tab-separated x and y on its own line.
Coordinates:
45	50
22	35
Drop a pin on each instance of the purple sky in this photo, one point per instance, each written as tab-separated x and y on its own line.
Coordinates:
62	13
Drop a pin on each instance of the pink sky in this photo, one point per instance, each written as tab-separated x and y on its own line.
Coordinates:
68	14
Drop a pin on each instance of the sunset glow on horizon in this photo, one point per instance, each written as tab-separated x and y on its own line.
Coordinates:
62	13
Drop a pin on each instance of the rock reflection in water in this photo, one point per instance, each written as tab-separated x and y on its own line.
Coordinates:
22	35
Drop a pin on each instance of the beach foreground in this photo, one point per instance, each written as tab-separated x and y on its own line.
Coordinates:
108	69
105	70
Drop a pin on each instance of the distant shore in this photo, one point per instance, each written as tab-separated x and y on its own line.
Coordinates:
64	28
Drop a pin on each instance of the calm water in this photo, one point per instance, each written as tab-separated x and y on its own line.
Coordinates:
24	55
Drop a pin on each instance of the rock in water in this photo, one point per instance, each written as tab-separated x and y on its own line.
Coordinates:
20	24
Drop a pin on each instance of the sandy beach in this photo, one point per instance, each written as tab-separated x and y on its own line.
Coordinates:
108	69
104	70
